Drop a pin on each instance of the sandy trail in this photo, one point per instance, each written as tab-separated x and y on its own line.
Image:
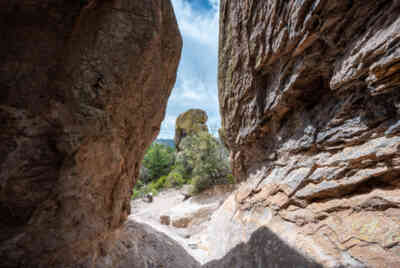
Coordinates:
150	213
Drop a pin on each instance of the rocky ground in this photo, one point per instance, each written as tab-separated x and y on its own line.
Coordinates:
185	221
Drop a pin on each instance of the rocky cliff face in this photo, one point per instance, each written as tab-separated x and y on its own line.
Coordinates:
84	85
310	102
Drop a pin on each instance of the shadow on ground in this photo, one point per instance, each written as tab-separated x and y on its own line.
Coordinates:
142	246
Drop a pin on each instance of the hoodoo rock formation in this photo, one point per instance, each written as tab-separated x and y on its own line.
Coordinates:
84	86
310	102
188	123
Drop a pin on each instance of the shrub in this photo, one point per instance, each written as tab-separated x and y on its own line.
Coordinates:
160	183
201	183
175	179
136	193
207	160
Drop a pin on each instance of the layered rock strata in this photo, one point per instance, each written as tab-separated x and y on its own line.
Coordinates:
310	102
84	86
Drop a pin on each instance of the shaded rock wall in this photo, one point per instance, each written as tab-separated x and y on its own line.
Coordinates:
84	86
310	103
264	249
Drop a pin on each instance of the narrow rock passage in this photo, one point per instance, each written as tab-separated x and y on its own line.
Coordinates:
192	216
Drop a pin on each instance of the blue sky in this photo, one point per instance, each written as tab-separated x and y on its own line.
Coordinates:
196	84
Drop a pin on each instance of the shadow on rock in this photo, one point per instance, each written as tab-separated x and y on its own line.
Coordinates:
264	249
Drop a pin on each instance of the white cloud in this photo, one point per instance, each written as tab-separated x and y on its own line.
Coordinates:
192	95
201	26
196	85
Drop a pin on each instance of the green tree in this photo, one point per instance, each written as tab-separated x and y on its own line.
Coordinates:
157	162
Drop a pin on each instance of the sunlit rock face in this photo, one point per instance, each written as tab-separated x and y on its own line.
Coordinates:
191	122
310	102
84	86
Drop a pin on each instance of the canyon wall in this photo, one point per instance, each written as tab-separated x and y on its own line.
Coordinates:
310	101
84	87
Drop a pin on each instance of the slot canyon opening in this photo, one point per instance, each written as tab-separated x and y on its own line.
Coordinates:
84	91
185	174
300	97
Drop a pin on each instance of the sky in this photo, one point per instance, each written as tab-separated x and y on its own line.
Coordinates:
196	84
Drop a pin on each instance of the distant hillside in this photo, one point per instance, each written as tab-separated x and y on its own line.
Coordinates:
168	142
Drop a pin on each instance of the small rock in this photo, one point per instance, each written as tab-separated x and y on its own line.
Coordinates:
148	198
164	219
193	246
181	222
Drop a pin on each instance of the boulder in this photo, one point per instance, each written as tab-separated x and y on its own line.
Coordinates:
310	105
139	245
188	123
84	87
191	213
264	249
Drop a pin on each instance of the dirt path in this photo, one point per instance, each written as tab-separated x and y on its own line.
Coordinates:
150	213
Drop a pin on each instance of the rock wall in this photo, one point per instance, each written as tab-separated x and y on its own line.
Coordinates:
84	86
310	102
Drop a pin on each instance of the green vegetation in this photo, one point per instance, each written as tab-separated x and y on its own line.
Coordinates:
202	162
207	161
157	162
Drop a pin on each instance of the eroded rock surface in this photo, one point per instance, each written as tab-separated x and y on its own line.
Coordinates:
84	86
310	103
188	123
